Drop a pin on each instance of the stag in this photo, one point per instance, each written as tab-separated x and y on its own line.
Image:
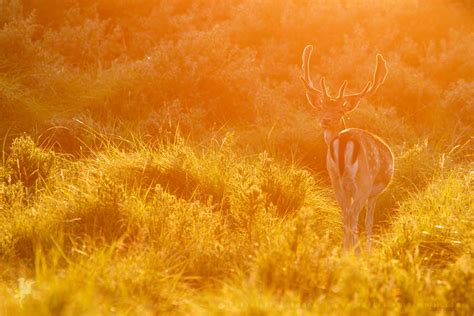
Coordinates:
359	163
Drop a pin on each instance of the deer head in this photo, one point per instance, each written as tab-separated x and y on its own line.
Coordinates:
332	109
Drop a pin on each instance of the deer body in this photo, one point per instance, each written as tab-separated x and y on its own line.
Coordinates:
360	164
360	167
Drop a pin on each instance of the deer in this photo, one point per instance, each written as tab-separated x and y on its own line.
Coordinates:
360	164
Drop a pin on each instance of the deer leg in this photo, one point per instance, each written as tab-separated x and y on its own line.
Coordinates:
345	205
346	221
355	211
369	220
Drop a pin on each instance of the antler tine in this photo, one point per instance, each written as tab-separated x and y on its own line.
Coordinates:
305	67
322	83
342	89
380	72
367	89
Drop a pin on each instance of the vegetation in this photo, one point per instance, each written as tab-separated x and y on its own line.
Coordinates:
161	157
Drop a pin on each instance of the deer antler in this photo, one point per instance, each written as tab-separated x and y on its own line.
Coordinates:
351	101
305	67
380	74
312	93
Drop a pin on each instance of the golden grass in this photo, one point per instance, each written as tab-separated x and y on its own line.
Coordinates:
113	233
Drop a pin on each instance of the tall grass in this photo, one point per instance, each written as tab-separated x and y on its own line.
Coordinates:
260	236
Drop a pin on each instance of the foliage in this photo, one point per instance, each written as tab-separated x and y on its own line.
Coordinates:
230	63
129	239
27	162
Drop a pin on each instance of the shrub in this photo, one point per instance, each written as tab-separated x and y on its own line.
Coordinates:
27	162
18	51
286	188
458	100
415	165
433	221
247	203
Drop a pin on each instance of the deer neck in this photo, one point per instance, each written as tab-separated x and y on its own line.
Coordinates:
330	132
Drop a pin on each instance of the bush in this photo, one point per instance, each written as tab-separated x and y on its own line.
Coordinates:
286	189
27	162
432	221
458	100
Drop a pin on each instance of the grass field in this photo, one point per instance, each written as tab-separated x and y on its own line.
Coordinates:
161	158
